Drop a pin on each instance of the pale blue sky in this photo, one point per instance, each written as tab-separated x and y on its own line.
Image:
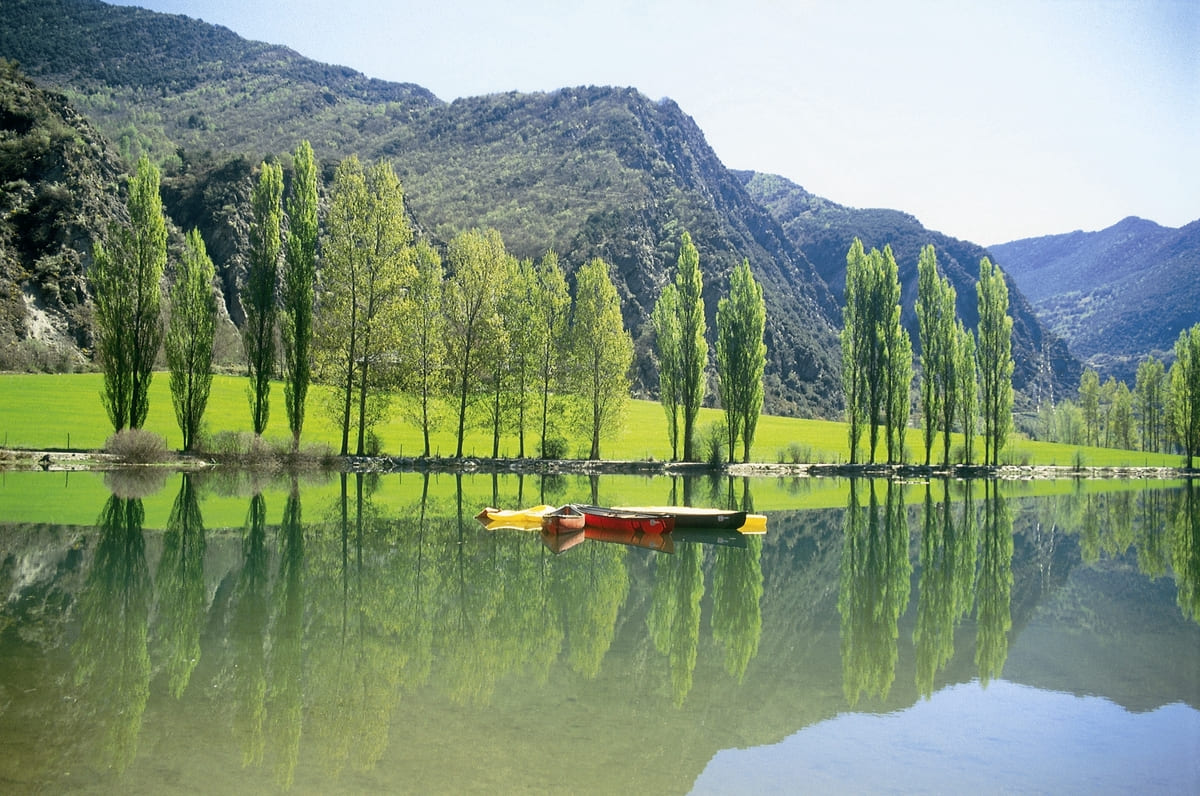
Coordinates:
989	121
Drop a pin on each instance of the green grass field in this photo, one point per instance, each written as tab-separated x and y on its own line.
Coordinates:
64	411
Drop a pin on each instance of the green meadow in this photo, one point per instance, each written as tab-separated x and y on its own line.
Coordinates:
64	411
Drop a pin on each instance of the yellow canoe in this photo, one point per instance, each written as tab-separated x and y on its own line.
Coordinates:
520	519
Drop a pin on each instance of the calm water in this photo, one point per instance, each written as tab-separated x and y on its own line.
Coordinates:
217	635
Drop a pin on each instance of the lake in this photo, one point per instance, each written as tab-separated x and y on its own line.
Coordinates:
224	633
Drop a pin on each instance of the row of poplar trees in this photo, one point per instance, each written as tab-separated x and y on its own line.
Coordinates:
963	381
377	315
1162	411
680	336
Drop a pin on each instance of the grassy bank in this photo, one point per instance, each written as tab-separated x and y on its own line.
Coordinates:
64	411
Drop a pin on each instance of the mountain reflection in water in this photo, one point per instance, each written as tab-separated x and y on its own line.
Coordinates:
366	634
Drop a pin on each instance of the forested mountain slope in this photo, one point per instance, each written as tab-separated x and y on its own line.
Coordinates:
1116	295
59	188
824	230
586	171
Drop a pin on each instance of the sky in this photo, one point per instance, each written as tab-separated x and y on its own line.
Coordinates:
988	121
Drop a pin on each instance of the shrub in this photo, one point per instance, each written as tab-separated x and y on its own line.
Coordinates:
799	453
224	443
712	443
1017	456
554	446
137	446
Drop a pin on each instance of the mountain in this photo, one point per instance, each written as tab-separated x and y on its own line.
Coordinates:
59	188
1142	289
586	171
824	230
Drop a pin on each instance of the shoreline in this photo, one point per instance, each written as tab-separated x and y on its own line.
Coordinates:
59	460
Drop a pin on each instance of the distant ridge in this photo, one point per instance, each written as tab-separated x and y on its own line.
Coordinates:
824	230
1116	295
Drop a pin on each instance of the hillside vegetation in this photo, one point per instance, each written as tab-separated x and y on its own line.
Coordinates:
586	171
1117	295
59	187
824	230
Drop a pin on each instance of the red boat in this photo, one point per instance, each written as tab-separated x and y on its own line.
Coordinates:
561	520
623	520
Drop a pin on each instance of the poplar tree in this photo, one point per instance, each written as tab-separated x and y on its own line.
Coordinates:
472	314
500	344
368	271
855	344
552	305
1089	405
693	347
258	296
741	356
966	375
876	352
521	318
336	325
897	361
665	320
899	388
383	298
1122	417
1149	395
189	340
126	279
1185	393
935	309
603	351
428	330
995	360
298	282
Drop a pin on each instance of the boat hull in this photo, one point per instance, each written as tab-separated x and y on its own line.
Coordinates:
690	517
565	519
624	520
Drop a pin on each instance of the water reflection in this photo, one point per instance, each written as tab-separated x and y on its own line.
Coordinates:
874	590
182	602
248	636
737	603
379	639
1185	549
112	661
946	586
995	580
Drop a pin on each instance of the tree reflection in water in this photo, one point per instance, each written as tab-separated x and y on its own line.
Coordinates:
874	591
112	663
737	603
248	635
945	587
285	689
1185	549
993	607
182	603
337	622
674	618
354	663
